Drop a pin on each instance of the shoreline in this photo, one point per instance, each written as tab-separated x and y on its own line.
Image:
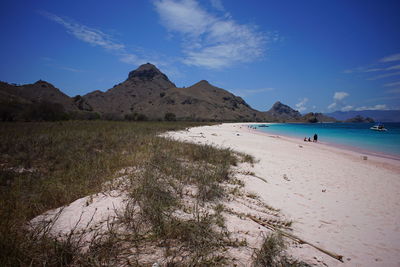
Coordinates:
338	145
374	155
335	198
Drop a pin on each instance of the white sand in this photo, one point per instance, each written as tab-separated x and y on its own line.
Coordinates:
338	200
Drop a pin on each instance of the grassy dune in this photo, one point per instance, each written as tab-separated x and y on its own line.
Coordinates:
48	165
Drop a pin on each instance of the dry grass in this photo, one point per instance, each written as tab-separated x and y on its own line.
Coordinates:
173	214
272	253
47	165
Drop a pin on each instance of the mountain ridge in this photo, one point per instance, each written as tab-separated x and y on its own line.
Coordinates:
149	93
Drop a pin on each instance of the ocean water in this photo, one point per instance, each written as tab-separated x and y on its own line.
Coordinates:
352	135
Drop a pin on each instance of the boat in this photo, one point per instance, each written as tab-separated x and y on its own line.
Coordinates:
263	125
379	127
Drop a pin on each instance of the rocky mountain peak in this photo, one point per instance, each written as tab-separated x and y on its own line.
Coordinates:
43	84
279	109
278	105
146	72
203	82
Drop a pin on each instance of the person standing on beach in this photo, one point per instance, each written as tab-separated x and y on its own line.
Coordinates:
315	138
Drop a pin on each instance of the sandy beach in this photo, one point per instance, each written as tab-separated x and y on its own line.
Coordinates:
338	199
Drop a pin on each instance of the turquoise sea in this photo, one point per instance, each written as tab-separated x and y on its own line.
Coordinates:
352	135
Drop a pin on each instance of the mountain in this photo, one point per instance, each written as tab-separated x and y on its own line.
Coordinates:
142	85
37	92
282	112
317	117
376	115
149	92
40	101
202	101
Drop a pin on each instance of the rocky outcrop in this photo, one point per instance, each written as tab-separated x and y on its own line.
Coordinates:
316	117
282	112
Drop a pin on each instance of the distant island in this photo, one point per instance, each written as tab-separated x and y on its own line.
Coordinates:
360	119
376	115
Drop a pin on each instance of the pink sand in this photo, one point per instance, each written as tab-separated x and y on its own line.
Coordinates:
337	199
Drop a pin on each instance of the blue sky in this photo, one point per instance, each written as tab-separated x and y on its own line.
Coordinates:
314	55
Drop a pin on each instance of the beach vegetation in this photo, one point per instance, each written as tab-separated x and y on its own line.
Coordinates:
45	165
273	253
170	116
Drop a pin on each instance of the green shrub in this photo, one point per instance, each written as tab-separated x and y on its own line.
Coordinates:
170	116
136	117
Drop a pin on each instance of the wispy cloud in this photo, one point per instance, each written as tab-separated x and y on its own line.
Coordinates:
393	91
217	4
372	69
210	41
89	35
395	67
384	98
52	63
301	106
394	57
70	69
392	84
388	69
376	107
384	76
95	37
247	92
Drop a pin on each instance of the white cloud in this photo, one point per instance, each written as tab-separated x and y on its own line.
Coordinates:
301	106
332	106
210	41
394	57
347	108
392	84
185	16
95	37
338	102
340	96
376	107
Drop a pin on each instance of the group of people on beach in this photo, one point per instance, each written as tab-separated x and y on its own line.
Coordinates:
315	139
